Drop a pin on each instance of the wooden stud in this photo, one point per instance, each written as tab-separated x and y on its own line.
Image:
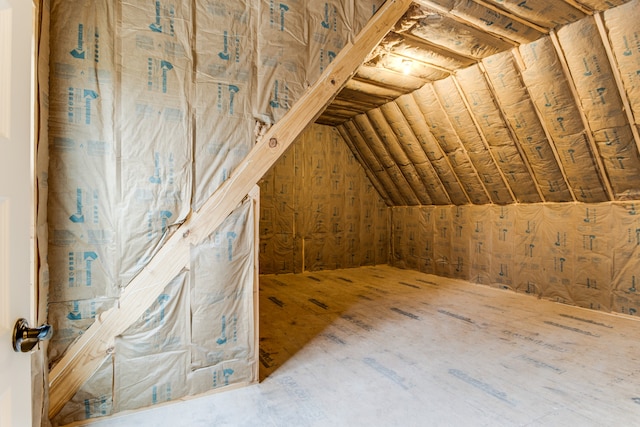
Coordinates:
385	76
520	66
412	105
377	90
618	78
444	11
582	8
394	148
379	149
464	149
413	140
467	106
254	195
420	61
367	169
511	131
360	144
576	97
351	104
510	15
446	51
86	355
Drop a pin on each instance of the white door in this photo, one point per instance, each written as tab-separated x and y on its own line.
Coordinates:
16	205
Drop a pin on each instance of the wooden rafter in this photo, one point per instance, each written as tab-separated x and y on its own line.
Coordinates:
423	62
472	165
445	11
509	128
600	169
618	78
521	67
370	158
436	47
85	356
512	16
367	168
482	136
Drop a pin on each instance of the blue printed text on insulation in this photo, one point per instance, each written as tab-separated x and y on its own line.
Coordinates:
158	74
277	13
163	16
225	53
330	21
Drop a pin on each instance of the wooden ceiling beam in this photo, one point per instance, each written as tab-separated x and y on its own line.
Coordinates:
445	50
84	357
423	62
513	16
582	8
451	14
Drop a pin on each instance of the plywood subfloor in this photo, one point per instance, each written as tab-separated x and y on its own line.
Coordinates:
379	346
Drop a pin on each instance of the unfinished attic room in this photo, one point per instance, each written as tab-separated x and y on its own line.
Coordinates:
325	213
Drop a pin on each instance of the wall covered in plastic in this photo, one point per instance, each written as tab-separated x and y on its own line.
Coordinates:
151	105
582	254
319	210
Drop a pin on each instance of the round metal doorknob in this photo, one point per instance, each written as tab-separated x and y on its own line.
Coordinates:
25	338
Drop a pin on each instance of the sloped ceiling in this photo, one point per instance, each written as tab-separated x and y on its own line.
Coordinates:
499	101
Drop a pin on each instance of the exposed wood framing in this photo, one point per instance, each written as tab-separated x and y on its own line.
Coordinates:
418	156
399	156
390	77
85	356
367	168
510	15
352	104
514	137
374	163
449	53
379	149
254	195
582	8
520	65
454	16
592	143
420	61
467	106
464	149
379	91
616	75
419	127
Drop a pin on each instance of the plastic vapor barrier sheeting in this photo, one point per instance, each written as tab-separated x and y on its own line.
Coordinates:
151	107
582	254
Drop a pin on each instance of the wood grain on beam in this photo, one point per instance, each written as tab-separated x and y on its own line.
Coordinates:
84	357
451	14
378	91
381	76
510	15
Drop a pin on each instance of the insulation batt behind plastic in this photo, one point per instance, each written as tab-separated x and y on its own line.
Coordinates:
319	210
545	120
582	254
151	106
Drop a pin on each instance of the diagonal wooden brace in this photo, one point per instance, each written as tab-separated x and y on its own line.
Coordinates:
86	355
